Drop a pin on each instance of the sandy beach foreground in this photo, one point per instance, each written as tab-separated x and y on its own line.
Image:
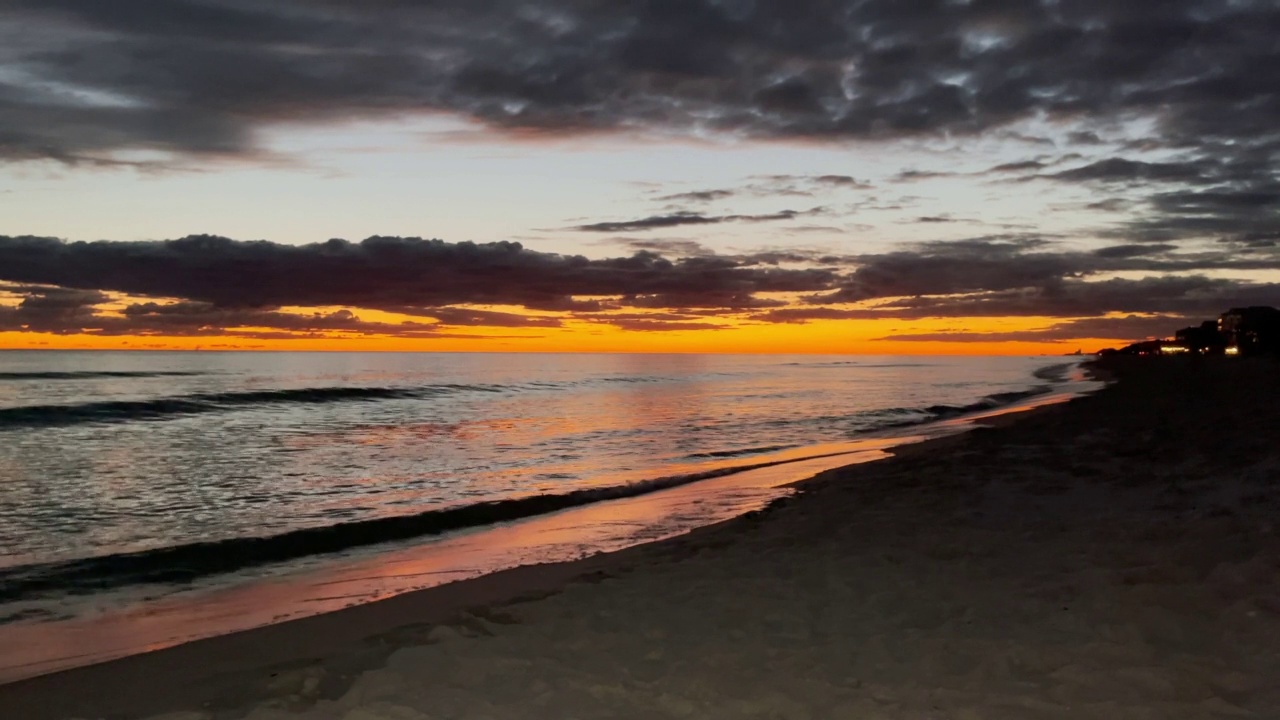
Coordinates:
1114	557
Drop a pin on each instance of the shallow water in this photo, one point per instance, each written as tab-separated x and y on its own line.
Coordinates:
145	618
110	453
186	486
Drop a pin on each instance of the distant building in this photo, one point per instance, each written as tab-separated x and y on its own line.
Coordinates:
1202	339
1147	348
1251	330
1239	331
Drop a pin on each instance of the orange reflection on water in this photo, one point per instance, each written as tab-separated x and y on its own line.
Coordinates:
251	599
381	572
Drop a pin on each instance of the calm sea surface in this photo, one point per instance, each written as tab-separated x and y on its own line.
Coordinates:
124	468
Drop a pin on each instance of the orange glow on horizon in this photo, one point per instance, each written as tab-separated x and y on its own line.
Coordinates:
731	332
839	337
613	329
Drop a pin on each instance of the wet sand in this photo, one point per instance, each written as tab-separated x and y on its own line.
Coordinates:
1114	557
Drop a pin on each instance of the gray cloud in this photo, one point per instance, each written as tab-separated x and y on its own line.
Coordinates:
916	175
959	267
771	186
1132	327
1019	166
1133	250
653	222
386	273
676	219
204	77
697	196
66	312
815	69
1122	170
1018	263
662	246
223	283
1188	296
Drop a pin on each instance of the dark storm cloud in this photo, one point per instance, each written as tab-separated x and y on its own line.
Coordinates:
1251	242
387	273
1110	205
202	76
1190	296
86	78
1017	263
49	309
64	312
230	287
1019	166
1133	250
959	267
1121	170
676	219
1243	207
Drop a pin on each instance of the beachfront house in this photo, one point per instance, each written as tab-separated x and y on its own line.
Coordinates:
1251	330
1202	339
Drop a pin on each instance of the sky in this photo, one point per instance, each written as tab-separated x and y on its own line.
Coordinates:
860	176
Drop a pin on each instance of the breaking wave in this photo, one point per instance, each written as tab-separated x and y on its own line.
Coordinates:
196	403
185	563
92	374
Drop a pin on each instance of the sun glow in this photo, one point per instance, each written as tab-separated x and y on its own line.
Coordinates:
732	334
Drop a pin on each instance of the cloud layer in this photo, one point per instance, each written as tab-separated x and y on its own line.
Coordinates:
221	283
1166	112
202	75
84	80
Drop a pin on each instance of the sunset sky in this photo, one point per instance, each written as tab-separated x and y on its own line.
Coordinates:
878	176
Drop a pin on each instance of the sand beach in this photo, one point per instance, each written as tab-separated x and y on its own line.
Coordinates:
1117	556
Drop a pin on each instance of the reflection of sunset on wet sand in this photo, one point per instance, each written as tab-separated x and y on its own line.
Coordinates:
321	586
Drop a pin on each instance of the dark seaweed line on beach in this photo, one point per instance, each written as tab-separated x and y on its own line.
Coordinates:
186	563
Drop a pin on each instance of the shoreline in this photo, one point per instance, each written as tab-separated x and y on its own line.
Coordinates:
130	623
321	662
331	634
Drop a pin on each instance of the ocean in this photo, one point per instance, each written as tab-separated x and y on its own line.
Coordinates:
129	478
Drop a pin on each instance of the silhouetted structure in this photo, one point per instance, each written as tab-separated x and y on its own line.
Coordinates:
1203	339
1239	331
1253	330
1147	348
